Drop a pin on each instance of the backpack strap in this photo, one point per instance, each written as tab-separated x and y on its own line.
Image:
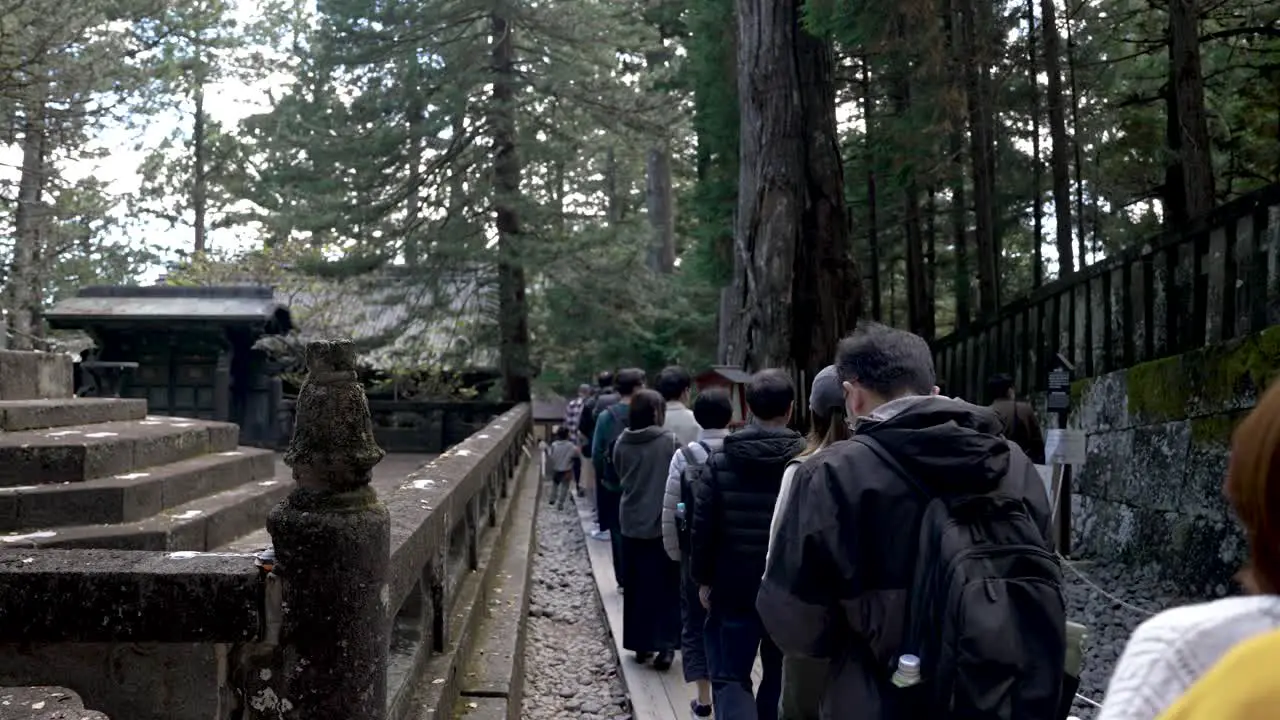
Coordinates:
689	460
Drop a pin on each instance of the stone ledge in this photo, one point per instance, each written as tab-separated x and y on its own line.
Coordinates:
34	375
440	678
122	596
19	415
44	703
432	499
496	668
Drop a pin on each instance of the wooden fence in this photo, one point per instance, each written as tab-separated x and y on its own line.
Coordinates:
1215	280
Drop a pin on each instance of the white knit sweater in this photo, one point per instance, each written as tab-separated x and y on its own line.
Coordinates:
1169	652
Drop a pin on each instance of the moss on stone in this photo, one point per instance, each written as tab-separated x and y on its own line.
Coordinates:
1213	378
1157	390
1212	430
1080	388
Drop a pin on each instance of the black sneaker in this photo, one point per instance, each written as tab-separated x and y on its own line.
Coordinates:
643	657
664	660
699	711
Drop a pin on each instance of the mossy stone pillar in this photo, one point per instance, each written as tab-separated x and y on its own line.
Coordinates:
332	541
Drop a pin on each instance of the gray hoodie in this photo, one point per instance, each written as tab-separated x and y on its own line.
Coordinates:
642	458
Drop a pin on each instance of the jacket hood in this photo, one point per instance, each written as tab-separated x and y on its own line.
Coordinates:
642	436
761	445
946	443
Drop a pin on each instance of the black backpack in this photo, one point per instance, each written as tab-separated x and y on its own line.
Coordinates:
692	469
587	423
987	616
611	479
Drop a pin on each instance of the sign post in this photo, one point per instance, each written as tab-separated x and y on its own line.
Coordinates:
1062	451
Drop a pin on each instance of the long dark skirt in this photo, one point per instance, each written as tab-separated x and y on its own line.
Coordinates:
651	604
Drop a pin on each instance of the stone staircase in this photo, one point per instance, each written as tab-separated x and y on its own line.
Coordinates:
101	473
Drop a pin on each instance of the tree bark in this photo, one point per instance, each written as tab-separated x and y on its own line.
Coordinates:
873	230
513	312
28	222
917	296
981	149
1187	83
199	179
958	205
1082	241
1059	167
796	282
660	202
1037	168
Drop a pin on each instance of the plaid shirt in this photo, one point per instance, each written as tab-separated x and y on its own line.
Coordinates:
572	414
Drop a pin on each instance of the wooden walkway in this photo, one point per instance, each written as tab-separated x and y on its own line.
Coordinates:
654	695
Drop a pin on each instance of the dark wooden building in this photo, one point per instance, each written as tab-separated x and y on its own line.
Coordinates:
194	347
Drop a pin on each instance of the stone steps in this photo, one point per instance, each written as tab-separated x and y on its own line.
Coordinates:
43	703
202	524
19	415
77	453
134	496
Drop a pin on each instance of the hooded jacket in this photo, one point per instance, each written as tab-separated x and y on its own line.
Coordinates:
641	458
732	510
838	580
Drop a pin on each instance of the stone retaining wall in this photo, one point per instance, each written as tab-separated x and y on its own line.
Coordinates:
1158	438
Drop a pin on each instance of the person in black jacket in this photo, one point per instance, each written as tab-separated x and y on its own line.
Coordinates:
839	576
732	512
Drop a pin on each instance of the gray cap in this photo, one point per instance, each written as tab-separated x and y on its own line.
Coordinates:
827	394
584	388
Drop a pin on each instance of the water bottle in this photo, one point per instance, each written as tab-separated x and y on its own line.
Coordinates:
680	512
908	672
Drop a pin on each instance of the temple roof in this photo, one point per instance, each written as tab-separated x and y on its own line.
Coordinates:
153	305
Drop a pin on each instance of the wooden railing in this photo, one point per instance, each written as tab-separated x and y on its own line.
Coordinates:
1215	280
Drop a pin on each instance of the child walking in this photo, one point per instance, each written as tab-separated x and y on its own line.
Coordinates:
560	458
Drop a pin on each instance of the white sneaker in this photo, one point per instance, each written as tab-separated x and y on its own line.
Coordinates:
600	535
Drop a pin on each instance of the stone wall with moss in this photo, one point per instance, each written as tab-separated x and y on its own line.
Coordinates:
1158	435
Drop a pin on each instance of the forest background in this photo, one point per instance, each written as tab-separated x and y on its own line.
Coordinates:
582	184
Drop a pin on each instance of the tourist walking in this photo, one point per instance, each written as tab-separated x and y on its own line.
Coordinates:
609	426
561	456
1017	417
1170	651
732	510
804	678
602	397
1242	686
713	410
572	417
673	384
651	605
868	515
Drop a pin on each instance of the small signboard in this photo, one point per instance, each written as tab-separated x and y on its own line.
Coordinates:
1059	397
1064	447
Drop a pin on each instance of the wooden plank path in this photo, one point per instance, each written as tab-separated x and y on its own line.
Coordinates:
654	695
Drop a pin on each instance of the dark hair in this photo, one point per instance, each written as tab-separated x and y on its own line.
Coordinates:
998	386
770	394
825	430
713	409
647	409
605	378
887	361
672	382
562	433
628	381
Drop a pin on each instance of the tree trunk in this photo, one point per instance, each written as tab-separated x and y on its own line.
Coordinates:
981	148
873	230
1187	83
660	201
413	222
1082	241
917	299
613	206
29	218
513	312
795	278
1059	167
929	319
959	206
199	179
1037	169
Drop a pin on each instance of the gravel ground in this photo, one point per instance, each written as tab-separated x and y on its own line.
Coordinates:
571	670
1135	595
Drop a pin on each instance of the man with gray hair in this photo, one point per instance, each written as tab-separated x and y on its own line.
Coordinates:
900	536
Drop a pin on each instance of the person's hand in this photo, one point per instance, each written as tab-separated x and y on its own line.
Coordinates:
704	596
